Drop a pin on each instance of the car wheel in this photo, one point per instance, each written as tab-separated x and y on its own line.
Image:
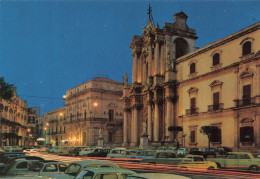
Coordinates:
253	168
218	165
211	168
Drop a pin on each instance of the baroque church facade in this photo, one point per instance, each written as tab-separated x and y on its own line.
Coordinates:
175	84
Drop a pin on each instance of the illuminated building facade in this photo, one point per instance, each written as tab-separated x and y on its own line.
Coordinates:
13	121
175	84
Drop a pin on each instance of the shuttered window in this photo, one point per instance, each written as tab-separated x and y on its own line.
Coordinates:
192	68
246	48
192	136
216	101
246	94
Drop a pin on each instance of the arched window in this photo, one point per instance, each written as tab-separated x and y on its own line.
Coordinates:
192	68
216	58
246	48
181	47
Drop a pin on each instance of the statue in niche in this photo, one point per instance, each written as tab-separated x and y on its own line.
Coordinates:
144	128
125	79
100	132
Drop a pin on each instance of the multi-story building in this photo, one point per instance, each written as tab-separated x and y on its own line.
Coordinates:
219	85
92	108
13	115
53	128
175	84
31	134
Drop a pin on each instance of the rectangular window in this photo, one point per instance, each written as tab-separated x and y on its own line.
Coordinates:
193	105
216	101
192	136
111	115
246	94
216	137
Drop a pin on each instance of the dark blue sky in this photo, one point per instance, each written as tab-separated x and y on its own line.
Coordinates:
49	47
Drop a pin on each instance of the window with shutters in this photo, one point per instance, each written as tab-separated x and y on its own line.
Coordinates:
193	105
192	136
216	101
111	115
247	134
246	94
216	137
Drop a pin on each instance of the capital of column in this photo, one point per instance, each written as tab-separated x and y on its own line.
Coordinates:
158	101
149	102
127	109
169	99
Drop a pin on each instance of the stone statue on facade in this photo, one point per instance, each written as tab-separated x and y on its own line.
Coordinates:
100	133
144	128
125	79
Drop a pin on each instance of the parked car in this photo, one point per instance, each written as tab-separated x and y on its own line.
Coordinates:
99	152
145	154
223	150
155	176
197	162
64	150
12	148
76	167
76	150
182	152
258	156
196	151
17	165
238	159
170	158
48	168
117	153
104	173
210	152
86	151
55	149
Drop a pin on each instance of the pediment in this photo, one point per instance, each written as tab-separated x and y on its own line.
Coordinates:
112	105
216	83
193	90
247	120
246	74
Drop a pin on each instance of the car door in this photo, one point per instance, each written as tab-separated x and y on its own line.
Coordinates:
50	170
231	161
161	158
244	161
199	162
20	167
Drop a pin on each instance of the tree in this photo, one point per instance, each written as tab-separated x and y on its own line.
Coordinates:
6	90
6	93
209	131
175	130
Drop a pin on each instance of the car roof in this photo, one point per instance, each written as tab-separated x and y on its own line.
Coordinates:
158	175
108	170
93	162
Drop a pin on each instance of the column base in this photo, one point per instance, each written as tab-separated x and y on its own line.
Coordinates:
133	144
125	144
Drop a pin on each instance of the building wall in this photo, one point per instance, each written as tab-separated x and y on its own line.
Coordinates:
13	120
227	78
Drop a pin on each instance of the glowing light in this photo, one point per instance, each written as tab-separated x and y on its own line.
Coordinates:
95	104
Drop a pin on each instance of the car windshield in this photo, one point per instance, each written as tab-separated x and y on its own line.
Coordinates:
36	167
73	169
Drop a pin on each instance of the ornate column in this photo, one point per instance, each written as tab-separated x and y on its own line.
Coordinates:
134	127
169	116
125	142
157	56
156	122
149	120
134	54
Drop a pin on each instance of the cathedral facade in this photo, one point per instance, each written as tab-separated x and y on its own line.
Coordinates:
175	84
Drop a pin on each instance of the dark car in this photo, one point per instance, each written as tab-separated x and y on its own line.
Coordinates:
223	150
196	151
210	152
99	153
75	151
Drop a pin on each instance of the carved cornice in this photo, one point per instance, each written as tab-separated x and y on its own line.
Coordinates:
220	42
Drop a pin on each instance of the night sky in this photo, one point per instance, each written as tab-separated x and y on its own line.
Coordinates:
49	47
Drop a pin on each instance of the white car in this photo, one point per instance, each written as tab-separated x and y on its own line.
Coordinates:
46	168
182	152
31	150
76	167
117	153
108	173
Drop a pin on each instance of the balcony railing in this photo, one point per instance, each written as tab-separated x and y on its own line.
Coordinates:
245	102
192	111
215	107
